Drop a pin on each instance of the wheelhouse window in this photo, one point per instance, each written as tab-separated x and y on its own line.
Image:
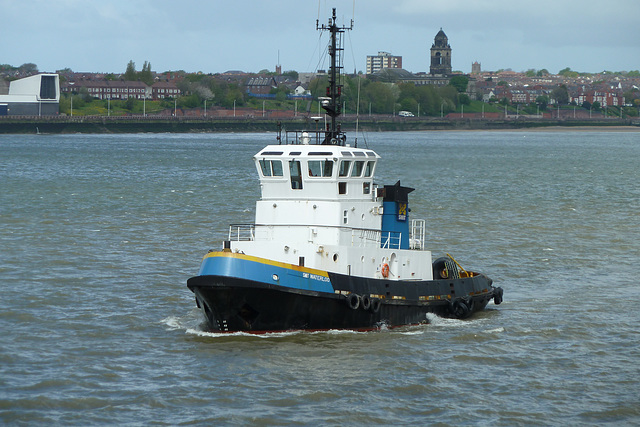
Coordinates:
358	166
296	174
368	171
271	167
344	167
320	168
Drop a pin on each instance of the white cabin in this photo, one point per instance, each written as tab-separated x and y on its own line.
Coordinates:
321	209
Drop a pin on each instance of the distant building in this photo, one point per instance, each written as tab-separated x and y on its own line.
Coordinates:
261	85
109	89
440	55
476	68
381	61
37	95
164	89
122	89
305	78
606	98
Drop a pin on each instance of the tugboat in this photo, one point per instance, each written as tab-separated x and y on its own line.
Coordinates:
330	249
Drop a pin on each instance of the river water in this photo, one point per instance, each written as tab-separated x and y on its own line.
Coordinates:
99	233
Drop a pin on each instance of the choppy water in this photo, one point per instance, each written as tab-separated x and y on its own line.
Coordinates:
98	235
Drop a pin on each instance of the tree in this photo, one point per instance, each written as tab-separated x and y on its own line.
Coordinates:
281	96
292	73
204	92
318	86
387	75
129	104
542	101
29	68
130	74
85	95
561	94
381	97
460	83
145	75
568	73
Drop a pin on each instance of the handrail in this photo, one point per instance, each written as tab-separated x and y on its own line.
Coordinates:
242	232
302	137
416	236
393	240
359	236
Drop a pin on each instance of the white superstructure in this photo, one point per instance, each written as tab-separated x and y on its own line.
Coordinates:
321	208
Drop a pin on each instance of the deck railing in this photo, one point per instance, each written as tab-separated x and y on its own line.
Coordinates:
360	237
295	137
242	232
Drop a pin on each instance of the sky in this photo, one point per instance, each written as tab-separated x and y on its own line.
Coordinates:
214	36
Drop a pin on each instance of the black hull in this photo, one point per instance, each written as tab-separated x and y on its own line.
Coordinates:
238	305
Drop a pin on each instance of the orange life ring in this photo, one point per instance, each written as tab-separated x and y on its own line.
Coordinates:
385	270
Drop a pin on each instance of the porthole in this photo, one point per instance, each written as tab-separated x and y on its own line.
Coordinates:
335	257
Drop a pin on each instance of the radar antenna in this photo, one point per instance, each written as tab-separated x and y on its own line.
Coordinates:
331	103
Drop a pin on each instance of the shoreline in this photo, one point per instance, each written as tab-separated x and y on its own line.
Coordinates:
138	124
621	128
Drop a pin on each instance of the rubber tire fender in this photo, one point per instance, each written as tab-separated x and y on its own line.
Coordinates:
497	296
439	266
353	301
459	309
375	304
365	300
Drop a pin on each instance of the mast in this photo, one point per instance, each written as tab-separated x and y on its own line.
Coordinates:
331	103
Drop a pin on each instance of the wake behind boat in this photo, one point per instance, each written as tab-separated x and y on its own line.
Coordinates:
330	248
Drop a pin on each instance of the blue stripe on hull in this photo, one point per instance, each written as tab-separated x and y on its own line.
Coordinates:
265	271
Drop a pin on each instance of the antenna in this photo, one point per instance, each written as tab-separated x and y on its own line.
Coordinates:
331	103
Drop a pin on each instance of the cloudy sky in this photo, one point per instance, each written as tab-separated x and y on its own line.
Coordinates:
250	35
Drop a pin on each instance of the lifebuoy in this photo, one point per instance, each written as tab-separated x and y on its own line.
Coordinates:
385	270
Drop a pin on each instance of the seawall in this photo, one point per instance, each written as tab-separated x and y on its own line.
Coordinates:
61	125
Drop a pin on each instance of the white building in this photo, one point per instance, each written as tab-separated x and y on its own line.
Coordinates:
382	60
37	95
